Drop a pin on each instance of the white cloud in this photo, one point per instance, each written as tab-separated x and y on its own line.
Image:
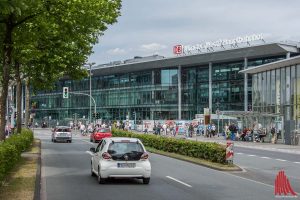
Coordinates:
116	51
153	47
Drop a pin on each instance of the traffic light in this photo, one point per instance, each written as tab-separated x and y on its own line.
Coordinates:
65	92
94	115
97	115
134	115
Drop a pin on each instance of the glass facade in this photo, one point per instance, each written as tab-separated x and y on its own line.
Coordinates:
277	92
153	94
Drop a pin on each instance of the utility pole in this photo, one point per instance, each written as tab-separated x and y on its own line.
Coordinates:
91	98
90	114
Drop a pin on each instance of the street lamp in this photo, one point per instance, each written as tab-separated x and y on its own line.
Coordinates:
90	65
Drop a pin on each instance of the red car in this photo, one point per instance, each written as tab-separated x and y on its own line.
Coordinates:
100	134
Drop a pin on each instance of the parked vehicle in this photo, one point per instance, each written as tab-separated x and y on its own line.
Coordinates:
61	133
120	157
98	135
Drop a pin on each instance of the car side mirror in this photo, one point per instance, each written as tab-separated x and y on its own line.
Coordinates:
92	149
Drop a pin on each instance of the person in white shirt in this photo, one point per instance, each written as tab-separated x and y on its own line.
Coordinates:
165	129
82	128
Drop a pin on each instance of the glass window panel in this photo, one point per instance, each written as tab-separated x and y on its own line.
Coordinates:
165	77
278	91
259	89
254	86
273	87
288	85
282	86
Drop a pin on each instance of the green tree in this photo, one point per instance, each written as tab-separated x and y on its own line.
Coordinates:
44	40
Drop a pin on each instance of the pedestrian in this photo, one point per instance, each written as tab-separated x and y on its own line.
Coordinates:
164	129
191	128
232	129
213	130
176	131
154	129
146	128
273	133
209	127
158	128
82	129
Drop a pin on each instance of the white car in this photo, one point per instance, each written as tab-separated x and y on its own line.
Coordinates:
119	157
61	133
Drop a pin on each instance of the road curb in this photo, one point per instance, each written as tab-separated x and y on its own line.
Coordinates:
37	192
201	164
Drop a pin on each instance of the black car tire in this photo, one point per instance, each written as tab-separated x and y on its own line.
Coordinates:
100	180
146	180
92	173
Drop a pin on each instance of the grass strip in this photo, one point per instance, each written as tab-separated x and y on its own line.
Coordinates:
202	162
20	182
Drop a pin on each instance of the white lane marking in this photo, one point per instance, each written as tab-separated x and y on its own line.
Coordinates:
280	160
240	153
251	155
266	157
174	179
297	162
88	152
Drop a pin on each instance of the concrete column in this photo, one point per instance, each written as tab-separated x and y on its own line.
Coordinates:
210	86
288	54
179	92
245	85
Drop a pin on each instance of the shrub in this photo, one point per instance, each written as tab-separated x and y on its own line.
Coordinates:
11	149
204	150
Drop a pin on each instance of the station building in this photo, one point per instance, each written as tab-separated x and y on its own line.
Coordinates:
158	88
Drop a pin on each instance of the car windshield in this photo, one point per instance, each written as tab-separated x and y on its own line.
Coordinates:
63	130
105	130
125	150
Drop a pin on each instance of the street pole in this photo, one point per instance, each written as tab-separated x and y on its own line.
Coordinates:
79	93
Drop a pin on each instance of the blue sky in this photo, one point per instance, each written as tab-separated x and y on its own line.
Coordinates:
148	27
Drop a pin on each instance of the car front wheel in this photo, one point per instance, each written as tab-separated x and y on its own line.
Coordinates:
146	180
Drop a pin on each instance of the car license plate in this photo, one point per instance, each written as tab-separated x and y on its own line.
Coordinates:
126	165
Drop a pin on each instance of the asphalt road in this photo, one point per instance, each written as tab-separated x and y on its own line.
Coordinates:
263	166
66	175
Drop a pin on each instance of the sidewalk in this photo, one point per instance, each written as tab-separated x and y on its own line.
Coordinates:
251	145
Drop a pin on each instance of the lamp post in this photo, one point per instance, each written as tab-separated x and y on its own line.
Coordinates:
90	115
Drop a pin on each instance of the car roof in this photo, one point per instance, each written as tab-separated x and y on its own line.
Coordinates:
62	127
119	139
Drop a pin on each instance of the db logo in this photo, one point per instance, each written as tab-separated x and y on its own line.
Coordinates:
177	49
283	187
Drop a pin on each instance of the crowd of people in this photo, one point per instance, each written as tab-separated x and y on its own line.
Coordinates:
255	133
90	127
